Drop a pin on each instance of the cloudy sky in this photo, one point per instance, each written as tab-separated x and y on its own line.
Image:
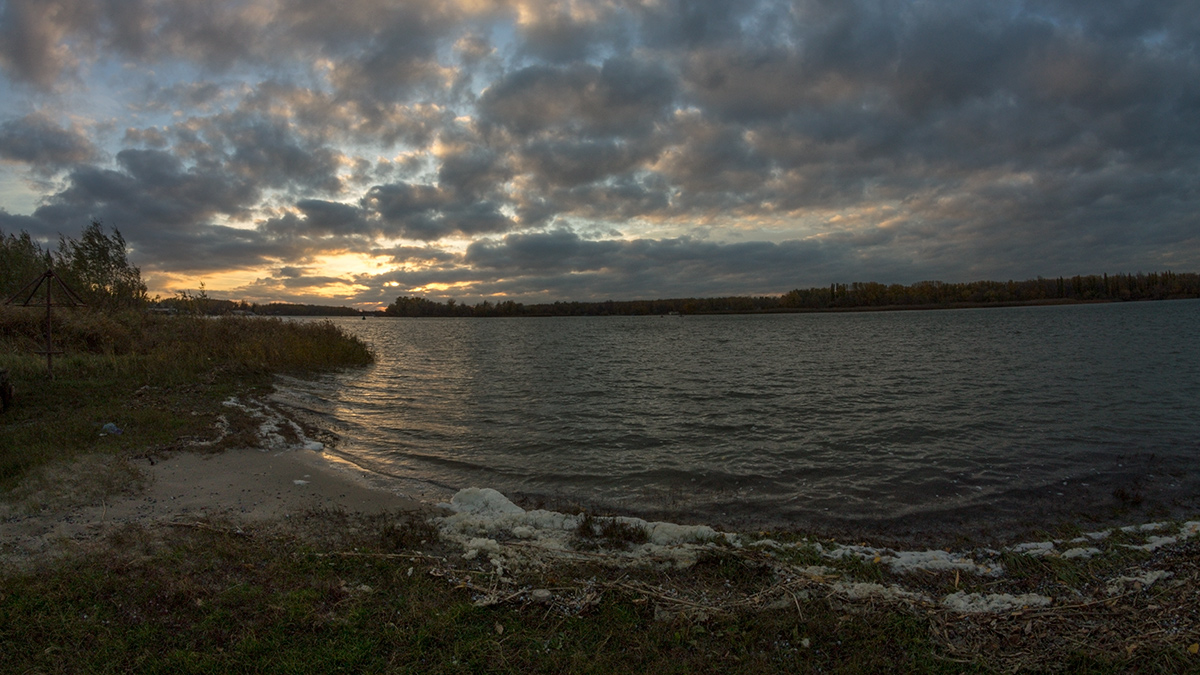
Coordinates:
348	152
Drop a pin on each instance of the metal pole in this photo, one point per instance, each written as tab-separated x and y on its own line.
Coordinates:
48	278
49	324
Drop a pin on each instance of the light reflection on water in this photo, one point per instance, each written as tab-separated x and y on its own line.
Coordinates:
787	418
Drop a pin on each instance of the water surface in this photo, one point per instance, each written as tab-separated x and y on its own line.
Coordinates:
982	418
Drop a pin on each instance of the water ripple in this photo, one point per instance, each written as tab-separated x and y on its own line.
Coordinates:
783	416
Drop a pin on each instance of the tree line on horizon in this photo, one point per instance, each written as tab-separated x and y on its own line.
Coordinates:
857	295
96	267
200	302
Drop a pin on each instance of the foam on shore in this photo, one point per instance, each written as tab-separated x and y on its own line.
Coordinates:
486	524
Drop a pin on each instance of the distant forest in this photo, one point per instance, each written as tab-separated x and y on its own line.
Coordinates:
855	296
95	265
201	303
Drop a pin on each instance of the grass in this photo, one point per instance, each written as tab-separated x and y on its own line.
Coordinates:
348	593
601	532
156	378
209	600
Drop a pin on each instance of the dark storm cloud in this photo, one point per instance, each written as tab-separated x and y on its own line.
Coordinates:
327	116
574	162
260	150
623	96
38	140
417	254
1174	20
30	41
164	208
710	159
152	189
11	224
579	129
470	167
205	248
379	49
672	260
323	216
688	23
560	264
322	225
557	34
399	57
559	251
428	213
626	197
269	152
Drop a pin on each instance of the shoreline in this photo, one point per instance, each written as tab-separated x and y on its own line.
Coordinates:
286	480
486	568
1027	514
245	486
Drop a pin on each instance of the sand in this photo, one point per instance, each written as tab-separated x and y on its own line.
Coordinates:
247	485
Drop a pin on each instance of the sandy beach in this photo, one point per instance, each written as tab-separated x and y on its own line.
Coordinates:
245	485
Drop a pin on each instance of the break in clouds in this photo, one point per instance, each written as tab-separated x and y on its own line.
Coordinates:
313	151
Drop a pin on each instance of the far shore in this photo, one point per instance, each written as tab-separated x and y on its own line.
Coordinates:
1048	302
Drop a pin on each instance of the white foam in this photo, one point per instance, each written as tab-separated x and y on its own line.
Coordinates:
973	603
1147	527
486	514
1154	542
1147	580
486	523
1034	548
484	502
911	561
479	545
868	591
271	422
907	562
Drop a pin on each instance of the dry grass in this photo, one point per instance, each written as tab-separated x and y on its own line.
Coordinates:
156	378
334	591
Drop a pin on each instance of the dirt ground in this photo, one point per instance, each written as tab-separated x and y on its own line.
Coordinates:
68	503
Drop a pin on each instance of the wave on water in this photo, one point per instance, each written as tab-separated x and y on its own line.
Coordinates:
983	419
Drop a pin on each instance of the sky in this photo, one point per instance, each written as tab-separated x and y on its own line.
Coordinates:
350	152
